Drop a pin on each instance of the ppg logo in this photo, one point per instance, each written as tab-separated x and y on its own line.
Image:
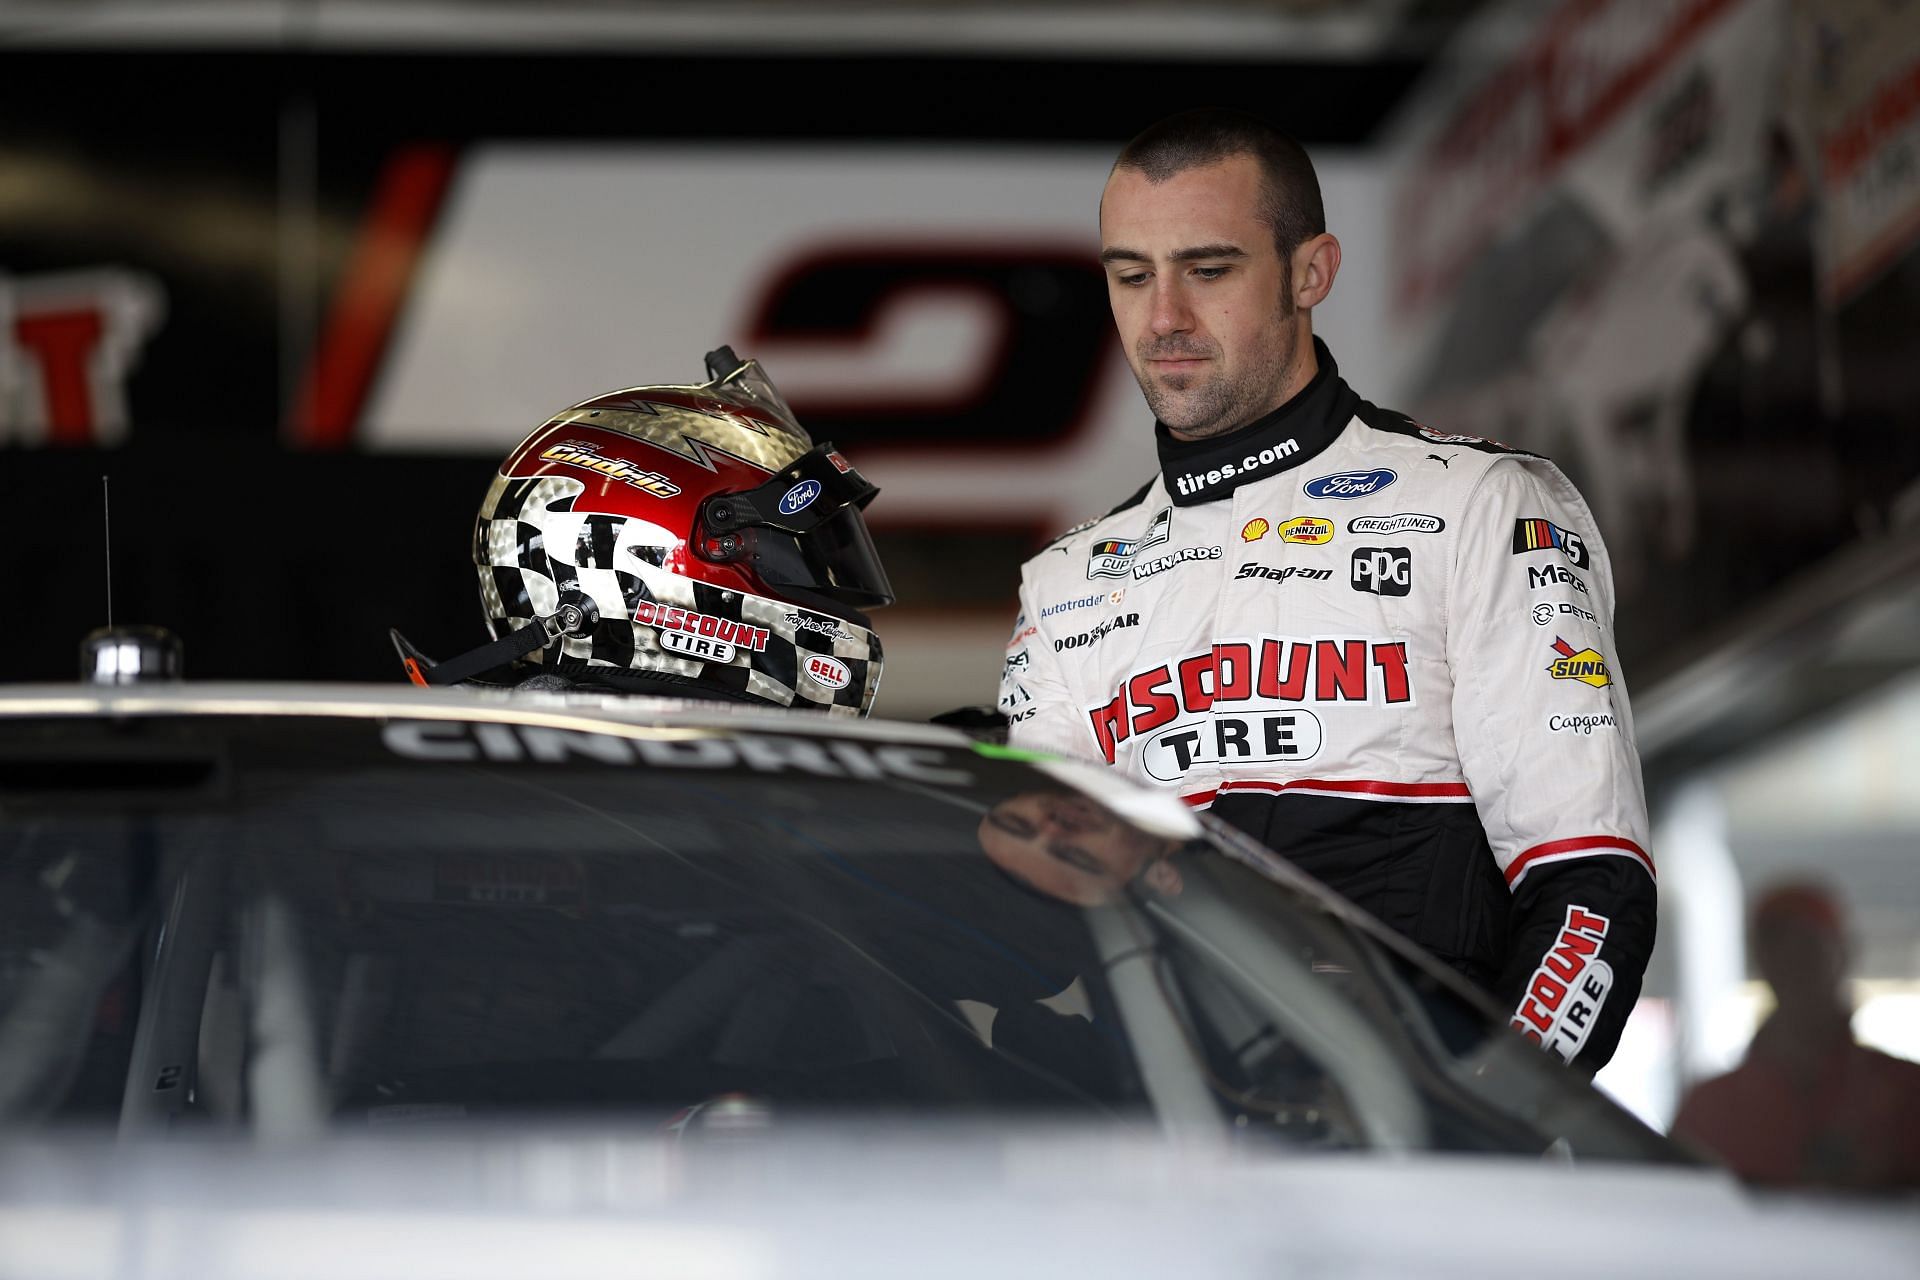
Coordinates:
1385	571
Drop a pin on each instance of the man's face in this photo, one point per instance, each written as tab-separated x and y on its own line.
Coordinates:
1199	295
1070	848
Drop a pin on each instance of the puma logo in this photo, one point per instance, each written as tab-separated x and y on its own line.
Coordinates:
1446	461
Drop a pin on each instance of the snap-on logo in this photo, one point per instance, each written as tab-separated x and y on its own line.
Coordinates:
830	672
1349	484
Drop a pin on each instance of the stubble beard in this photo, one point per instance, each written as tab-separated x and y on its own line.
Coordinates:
1222	402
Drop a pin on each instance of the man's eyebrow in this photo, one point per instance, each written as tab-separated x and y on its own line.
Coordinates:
1209	251
1198	252
1013	826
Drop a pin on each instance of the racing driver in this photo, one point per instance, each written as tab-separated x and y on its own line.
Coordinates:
1385	651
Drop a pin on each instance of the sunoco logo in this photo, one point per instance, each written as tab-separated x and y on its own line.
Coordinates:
1585	665
1349	484
1405	522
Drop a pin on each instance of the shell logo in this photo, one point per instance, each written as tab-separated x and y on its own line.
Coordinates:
1308	529
1254	530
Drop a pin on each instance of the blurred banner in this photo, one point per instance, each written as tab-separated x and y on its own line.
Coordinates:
300	320
1670	245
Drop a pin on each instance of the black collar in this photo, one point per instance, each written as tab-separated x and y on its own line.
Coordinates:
1198	471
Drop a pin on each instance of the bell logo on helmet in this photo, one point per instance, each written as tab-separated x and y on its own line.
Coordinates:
830	672
800	497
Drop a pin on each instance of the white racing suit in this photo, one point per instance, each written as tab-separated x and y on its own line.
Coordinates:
1387	653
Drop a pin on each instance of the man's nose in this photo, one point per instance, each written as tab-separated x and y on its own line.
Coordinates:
1171	314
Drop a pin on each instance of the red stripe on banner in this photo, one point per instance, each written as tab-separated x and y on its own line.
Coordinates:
345	360
1200	799
1577	844
1406	790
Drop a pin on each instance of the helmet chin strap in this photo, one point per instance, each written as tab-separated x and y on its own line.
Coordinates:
575	617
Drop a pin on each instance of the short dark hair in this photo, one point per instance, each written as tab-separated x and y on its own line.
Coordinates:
1290	199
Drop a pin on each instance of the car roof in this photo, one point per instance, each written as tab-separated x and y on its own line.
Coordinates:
381	701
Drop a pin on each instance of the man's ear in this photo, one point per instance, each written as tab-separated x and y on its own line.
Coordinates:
1315	263
1163	878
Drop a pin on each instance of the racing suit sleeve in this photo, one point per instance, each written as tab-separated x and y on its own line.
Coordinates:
1545	738
1040	712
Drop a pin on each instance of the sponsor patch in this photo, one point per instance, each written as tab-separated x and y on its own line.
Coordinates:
829	673
1582	725
1349	484
1442	437
819	626
1384	571
1016	663
1584	665
1160	564
799	498
696	646
1270	574
1568	990
1068	606
1097	634
578	453
1113	558
452	741
1254	464
1405	522
1308	530
1544	613
1273	737
667	618
1254	529
1536	534
1250	679
840	464
1556	575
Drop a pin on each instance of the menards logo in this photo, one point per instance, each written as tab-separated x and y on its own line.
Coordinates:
1586	665
1240	676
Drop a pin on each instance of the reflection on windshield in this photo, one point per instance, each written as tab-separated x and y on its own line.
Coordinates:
1063	844
433	942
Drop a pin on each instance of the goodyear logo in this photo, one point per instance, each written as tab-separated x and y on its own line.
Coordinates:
1584	665
1308	529
1254	530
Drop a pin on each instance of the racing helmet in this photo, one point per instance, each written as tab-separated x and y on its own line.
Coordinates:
686	540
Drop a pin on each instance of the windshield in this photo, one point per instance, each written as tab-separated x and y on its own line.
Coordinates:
295	924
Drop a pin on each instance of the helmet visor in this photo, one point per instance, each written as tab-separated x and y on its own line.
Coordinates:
802	529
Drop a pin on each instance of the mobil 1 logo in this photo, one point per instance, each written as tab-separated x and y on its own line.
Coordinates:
1384	571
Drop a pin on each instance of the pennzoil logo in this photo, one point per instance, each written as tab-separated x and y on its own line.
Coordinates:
1311	530
578	453
1584	665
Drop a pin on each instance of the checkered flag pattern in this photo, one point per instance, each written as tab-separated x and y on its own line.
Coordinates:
531	548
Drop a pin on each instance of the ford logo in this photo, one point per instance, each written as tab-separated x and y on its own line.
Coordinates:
802	495
1349	484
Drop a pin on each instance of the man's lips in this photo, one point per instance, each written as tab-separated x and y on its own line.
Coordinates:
1177	364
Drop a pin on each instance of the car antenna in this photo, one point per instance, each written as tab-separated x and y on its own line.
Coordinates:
106	516
125	655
